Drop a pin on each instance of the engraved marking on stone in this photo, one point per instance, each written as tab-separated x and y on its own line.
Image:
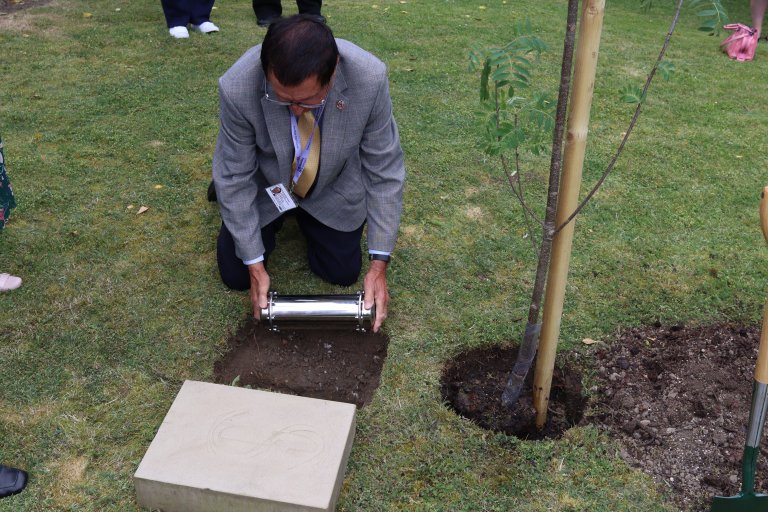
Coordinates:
285	447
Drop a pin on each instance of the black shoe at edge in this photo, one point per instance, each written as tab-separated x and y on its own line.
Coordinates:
12	481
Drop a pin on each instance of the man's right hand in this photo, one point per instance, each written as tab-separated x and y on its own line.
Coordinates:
259	287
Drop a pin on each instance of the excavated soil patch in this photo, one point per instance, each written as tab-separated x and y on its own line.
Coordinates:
677	399
344	366
472	383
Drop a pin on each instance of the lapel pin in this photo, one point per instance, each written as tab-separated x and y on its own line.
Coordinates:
340	104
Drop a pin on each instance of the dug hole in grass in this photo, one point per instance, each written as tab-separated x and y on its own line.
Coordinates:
338	365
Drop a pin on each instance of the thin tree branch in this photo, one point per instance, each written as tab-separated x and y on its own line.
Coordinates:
527	211
516	184
511	178
632	123
531	234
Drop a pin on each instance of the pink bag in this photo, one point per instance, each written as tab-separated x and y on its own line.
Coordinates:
740	45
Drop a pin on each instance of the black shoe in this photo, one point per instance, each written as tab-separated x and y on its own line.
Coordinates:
12	481
265	22
316	17
212	193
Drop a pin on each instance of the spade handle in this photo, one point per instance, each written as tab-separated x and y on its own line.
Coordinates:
761	370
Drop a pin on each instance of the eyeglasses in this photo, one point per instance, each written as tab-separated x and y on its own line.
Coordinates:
310	106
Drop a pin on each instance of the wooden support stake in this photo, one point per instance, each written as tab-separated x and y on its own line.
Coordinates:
587	49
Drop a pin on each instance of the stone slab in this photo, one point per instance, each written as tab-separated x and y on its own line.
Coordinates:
229	449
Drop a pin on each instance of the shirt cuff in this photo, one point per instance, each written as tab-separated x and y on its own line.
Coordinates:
255	260
371	251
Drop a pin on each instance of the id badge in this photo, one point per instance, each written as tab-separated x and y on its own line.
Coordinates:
281	196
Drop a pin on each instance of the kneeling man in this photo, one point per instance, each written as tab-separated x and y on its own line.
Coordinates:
307	130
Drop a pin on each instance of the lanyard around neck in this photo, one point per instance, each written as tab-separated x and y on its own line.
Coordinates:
302	154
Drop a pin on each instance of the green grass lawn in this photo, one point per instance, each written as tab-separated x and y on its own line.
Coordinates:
102	112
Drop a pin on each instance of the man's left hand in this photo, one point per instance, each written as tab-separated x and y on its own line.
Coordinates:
375	289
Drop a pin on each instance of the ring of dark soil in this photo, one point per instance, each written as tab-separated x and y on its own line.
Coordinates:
675	399
343	366
472	384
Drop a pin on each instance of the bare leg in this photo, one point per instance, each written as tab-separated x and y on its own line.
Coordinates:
758	13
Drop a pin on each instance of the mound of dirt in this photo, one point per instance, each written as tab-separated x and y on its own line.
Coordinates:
344	366
677	399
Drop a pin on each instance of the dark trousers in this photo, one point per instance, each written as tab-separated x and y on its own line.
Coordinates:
179	13
268	9
333	255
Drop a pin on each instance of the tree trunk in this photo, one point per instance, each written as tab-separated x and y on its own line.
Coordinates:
530	342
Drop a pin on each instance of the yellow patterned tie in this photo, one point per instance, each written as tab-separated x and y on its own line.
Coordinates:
306	124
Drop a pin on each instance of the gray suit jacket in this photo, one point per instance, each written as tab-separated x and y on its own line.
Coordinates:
361	173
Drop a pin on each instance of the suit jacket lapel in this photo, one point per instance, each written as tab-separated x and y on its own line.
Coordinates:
333	128
278	121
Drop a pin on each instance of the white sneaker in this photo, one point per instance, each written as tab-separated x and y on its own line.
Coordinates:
9	282
206	27
179	32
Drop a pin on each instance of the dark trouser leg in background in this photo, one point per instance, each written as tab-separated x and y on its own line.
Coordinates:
267	10
200	12
309	6
176	12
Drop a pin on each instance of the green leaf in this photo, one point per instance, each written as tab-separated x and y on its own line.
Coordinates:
521	60
484	93
522	70
631	94
499	75
513	121
712	9
665	69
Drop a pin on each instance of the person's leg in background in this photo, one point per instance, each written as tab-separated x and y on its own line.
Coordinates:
200	16
758	8
177	17
309	6
7	203
267	11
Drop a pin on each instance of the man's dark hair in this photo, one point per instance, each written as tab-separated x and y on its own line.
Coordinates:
298	47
